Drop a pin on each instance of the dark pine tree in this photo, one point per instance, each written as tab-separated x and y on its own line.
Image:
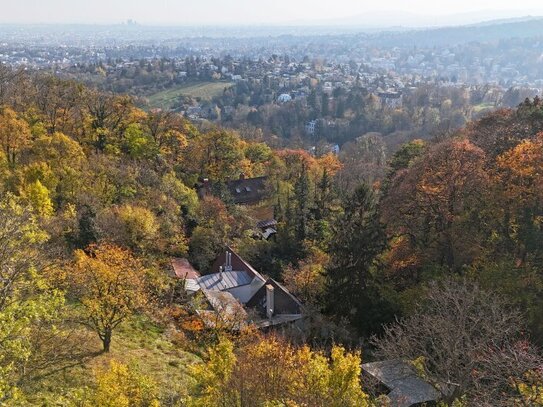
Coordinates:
302	209
359	238
87	228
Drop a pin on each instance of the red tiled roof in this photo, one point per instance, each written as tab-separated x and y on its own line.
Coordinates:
183	269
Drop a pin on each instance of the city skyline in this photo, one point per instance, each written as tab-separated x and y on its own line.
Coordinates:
247	12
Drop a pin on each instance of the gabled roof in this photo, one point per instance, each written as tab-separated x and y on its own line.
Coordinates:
406	387
224	280
224	306
285	302
238	264
264	224
217	288
247	190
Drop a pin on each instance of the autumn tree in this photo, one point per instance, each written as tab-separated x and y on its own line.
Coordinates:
64	159
307	281
211	378
364	161
433	204
131	226
39	198
110	284
217	154
520	184
27	300
124	386
57	100
14	135
270	371
214	227
470	340
169	132
302	206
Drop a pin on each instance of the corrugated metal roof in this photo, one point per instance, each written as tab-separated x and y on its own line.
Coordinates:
191	285
407	388
230	279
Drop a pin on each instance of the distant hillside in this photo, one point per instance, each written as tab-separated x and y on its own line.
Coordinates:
486	32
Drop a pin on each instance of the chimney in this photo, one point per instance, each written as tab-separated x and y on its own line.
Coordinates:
204	189
269	301
228	261
242	175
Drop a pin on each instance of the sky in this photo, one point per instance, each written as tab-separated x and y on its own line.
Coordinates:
248	12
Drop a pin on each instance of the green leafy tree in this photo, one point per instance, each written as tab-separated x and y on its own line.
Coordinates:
26	299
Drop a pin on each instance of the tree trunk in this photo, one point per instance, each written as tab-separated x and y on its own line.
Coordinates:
106	340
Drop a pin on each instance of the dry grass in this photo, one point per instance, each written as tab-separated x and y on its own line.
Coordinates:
137	342
203	90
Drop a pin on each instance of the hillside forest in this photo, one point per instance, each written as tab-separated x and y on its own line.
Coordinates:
429	252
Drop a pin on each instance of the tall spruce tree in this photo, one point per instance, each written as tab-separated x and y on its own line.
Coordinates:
323	196
302	209
358	238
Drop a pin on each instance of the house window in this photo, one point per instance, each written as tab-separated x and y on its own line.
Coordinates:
248	189
238	190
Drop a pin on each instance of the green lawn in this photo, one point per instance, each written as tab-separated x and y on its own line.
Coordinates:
204	90
483	106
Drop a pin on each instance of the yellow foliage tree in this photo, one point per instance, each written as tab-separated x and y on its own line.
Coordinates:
123	386
140	226
211	386
39	198
270	371
110	283
14	134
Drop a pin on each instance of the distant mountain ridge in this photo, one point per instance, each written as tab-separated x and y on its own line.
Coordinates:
398	19
528	27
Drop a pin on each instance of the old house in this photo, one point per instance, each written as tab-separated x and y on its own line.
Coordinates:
235	292
253	193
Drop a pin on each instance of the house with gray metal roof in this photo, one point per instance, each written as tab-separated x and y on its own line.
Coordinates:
234	279
406	388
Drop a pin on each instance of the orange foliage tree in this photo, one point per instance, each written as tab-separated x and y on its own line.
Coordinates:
110	283
520	184
433	203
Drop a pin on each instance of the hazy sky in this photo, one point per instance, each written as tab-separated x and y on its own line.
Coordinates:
189	12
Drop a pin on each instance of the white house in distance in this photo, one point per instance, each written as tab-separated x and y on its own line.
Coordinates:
284	98
311	127
234	285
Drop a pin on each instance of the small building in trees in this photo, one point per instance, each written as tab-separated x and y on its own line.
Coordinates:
391	99
248	191
284	98
251	192
401	383
234	293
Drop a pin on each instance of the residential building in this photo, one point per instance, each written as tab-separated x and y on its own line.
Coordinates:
235	291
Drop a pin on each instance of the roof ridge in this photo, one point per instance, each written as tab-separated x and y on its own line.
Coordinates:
251	268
